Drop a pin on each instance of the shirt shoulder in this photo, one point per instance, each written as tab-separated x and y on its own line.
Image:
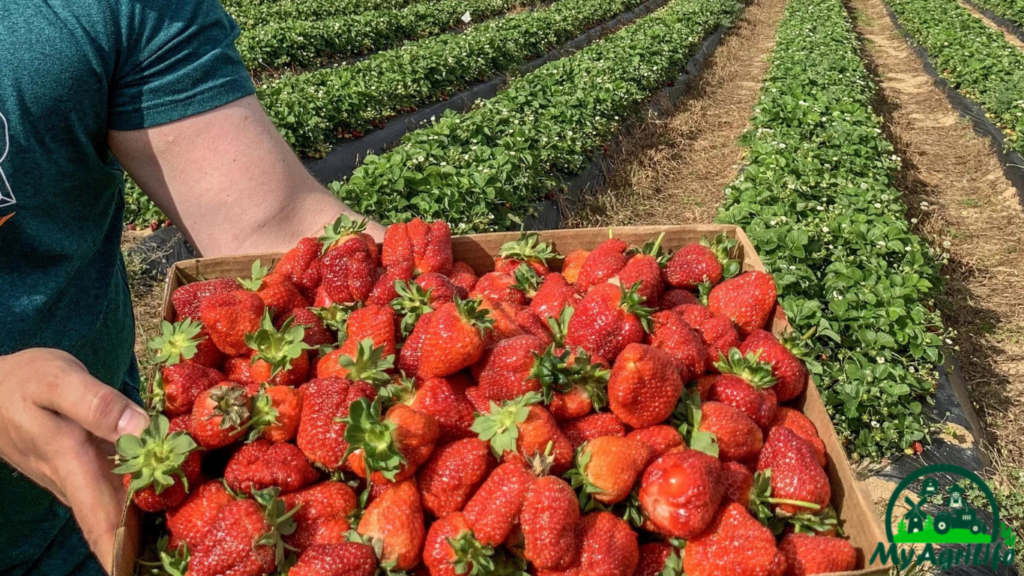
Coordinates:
176	58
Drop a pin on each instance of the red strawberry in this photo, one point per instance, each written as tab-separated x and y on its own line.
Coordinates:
499	287
263	464
412	349
659	559
384	287
343	229
229	316
348	271
452	550
696	264
480	402
504	316
532	324
550	518
276	291
316	333
644	269
592	426
278	356
606	320
238	369
680	492
301	265
789	371
321	436
362	360
390	448
739	439
719	336
608	467
323	510
658	439
527	249
443	398
185	341
275	413
745	384
644	386
572	265
418	246
451	475
602	263
188	298
739	483
219	415
454	338
245	538
803	428
159	466
495	507
395	520
439	287
464	278
176	388
553	296
673	335
521	431
342	559
795	473
505	372
189	522
734	543
573	384
608	547
675	297
806	554
747	300
695	315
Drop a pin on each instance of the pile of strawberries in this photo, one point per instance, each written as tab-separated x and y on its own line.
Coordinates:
356	411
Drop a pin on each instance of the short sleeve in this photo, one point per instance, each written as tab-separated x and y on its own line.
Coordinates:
176	59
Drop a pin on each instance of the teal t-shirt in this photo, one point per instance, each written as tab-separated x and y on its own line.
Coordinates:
70	70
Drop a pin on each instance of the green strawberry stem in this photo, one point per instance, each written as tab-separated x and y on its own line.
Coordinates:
277	347
279	519
411	304
500	426
370	364
264	415
633	303
341	227
528	247
366	430
154	458
560	327
473	315
801	503
472	558
527	280
177	342
258	273
758	374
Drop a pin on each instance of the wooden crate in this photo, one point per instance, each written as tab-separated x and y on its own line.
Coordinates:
861	524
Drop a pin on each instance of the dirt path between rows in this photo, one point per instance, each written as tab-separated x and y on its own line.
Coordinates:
1006	34
961	202
674	170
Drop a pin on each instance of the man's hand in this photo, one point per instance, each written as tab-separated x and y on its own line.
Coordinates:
229	180
57	426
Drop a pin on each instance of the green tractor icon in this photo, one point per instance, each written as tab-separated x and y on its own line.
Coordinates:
958	515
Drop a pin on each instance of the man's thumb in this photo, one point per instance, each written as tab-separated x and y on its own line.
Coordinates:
98	408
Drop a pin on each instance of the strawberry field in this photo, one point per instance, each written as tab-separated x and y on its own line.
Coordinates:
420	407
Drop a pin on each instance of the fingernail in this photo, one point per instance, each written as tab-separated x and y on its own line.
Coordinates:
133	421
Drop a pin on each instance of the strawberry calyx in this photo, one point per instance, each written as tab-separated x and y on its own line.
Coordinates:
232	405
577	478
758	374
366	430
154	458
824	521
632	511
499	427
412	303
722	246
472	558
340	230
370	365
174	563
633	303
280	520
761	502
592	377
156	398
687	417
540	463
527	280
703	291
177	342
277	347
552	371
674	562
528	247
258	273
264	415
401	391
471	313
653	248
336	315
560	327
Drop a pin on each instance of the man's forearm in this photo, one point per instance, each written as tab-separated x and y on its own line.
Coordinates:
229	180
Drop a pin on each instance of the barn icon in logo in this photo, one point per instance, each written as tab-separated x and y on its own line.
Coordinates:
6	194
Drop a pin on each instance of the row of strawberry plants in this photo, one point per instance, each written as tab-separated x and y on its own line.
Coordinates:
305	43
817	199
1011	10
975	59
312	110
483	169
250	13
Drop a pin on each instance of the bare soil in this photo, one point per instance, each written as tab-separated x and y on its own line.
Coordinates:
962	204
673	170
